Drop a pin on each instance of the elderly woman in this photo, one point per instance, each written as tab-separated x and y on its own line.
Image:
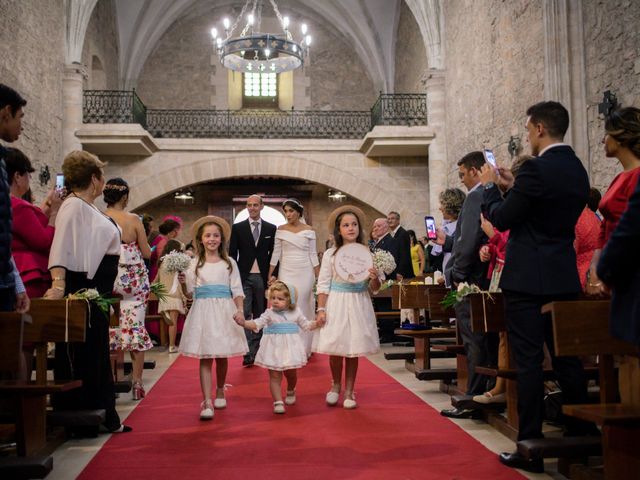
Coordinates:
451	201
32	227
84	254
621	141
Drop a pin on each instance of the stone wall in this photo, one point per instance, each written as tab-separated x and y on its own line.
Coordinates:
101	41
612	50
494	71
31	61
411	56
183	71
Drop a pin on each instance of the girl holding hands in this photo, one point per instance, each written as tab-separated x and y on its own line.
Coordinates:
345	310
210	331
282	349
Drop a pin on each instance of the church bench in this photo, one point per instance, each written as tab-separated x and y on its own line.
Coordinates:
19	468
582	328
422	345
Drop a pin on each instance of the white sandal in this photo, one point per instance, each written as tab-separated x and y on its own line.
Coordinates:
278	407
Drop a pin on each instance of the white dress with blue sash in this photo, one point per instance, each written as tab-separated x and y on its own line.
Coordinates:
282	347
210	331
351	329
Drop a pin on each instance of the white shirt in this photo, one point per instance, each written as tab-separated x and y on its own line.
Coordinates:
394	231
553	145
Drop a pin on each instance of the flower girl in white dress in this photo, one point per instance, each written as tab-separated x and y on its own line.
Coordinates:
282	349
210	330
345	311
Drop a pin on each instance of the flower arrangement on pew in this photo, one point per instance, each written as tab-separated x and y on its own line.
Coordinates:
92	295
456	296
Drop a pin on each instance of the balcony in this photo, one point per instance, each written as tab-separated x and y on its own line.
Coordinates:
125	107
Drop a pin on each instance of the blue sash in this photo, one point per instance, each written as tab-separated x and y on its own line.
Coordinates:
349	287
214	290
281	328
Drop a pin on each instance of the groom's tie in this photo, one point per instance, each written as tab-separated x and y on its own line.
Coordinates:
256	232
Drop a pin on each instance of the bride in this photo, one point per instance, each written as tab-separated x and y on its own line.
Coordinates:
295	250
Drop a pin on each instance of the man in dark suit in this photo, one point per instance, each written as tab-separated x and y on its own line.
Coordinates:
465	266
251	245
403	246
619	269
541	208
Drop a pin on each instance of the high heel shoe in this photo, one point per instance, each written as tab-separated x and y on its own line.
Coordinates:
138	392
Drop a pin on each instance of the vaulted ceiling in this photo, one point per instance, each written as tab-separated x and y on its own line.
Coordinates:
369	25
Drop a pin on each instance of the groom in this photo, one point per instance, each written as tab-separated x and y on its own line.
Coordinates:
251	245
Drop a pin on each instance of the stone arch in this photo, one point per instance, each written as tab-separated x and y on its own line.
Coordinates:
77	16
149	188
430	19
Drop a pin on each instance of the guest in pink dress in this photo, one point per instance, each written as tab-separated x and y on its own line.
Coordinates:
586	242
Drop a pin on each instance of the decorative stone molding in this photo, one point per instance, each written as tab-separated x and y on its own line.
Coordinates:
430	19
77	16
564	67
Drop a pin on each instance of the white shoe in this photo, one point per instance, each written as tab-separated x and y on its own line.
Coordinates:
278	407
207	411
173	349
349	404
332	398
290	399
220	403
487	398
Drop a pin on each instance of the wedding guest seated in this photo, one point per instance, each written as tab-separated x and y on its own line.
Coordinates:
32	227
84	255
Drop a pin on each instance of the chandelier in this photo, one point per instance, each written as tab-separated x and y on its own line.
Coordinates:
336	196
256	52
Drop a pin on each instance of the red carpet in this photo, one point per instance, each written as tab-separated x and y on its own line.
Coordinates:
391	435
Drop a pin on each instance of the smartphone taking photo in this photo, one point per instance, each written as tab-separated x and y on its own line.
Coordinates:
490	158
59	182
430	226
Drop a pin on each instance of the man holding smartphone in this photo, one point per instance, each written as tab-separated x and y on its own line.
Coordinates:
541	208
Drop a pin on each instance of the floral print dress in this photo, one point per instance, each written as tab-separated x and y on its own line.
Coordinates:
132	283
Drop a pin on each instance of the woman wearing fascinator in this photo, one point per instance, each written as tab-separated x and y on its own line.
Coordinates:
295	250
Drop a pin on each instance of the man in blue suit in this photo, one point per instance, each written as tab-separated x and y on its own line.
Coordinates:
540	208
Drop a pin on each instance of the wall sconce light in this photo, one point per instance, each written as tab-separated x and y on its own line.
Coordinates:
44	176
514	146
336	196
608	104
184	196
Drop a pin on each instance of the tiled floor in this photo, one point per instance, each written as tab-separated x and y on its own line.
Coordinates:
71	457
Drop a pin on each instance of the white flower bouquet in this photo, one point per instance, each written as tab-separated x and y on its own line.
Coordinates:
92	295
383	261
176	262
456	296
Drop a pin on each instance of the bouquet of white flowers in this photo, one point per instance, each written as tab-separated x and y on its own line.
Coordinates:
92	295
456	296
176	262
383	261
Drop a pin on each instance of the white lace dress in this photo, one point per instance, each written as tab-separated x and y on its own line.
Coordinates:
281	346
351	329
210	331
298	255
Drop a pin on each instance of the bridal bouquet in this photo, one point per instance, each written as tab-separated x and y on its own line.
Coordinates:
383	261
456	296
176	262
92	295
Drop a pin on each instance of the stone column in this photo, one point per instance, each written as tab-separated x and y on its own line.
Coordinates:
438	148
564	67
72	81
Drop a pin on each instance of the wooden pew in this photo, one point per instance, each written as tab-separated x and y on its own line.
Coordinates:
59	321
582	328
416	297
29	401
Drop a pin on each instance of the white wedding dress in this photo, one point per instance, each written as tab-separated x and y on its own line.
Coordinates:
298	255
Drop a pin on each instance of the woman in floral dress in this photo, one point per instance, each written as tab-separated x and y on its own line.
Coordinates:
132	282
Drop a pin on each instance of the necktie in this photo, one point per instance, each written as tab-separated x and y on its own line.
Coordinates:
256	232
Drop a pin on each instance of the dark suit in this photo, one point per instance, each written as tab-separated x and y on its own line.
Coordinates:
465	266
619	267
389	244
244	249
403	259
541	211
